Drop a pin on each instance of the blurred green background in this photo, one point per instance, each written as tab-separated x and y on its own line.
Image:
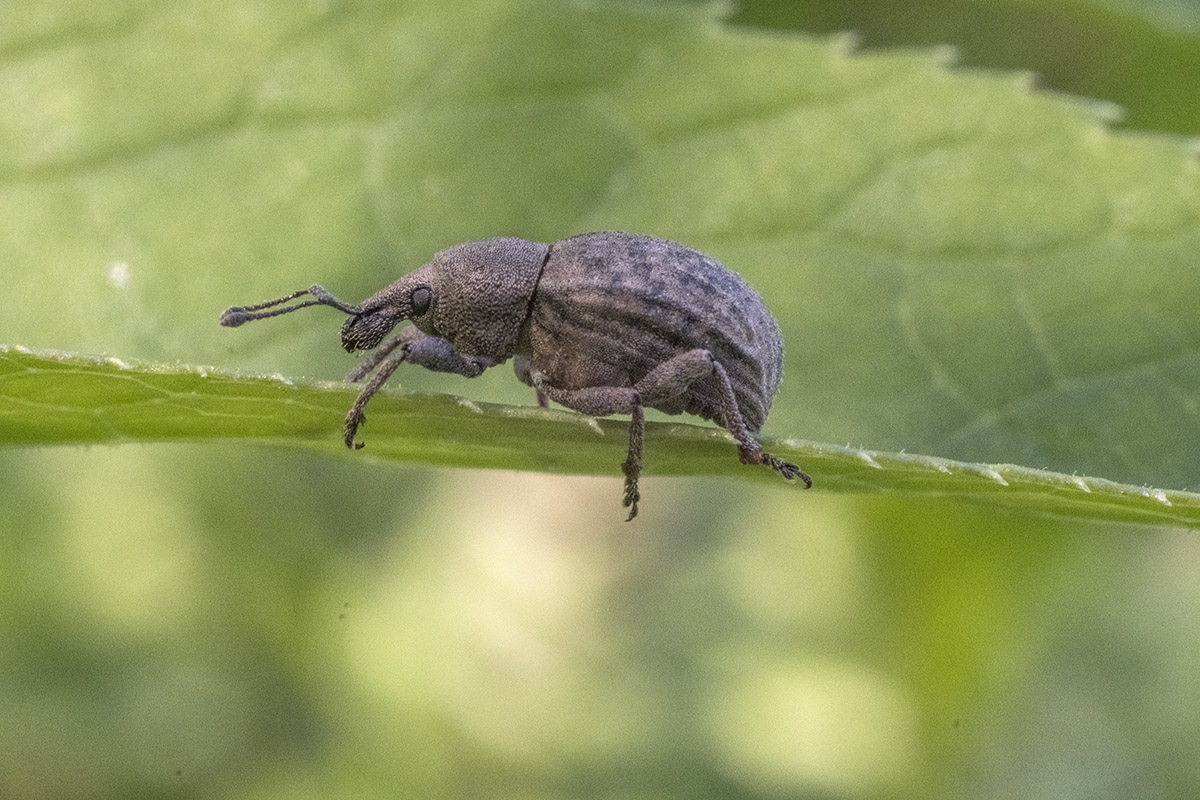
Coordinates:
231	621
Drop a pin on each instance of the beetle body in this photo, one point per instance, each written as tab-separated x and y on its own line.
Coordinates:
602	323
610	307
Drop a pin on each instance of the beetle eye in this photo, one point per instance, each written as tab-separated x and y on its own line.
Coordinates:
420	300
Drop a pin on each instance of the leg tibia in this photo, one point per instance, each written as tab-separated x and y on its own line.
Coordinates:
600	401
414	347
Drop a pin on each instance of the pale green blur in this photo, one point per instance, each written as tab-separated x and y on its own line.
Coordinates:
225	621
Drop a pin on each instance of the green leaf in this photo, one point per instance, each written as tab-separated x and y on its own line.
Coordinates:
1140	54
54	398
961	266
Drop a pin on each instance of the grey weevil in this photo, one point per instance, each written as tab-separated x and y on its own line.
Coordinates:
602	323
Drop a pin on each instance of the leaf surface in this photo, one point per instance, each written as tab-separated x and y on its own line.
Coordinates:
961	266
54	398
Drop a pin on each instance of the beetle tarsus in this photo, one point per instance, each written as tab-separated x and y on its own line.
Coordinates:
353	420
632	495
787	469
632	466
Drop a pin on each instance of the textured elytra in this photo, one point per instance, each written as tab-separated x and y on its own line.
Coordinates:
602	323
633	302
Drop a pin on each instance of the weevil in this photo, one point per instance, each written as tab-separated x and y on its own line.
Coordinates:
601	323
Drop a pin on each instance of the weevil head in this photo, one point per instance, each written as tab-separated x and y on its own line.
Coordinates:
474	295
411	297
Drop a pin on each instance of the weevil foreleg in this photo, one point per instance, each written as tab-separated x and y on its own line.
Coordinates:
368	364
669	381
356	417
415	347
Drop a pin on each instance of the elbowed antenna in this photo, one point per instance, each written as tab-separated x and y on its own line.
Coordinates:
239	315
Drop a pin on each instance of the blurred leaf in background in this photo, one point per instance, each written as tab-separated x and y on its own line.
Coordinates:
1140	54
961	266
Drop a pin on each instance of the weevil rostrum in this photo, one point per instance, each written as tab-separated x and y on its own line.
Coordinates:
601	323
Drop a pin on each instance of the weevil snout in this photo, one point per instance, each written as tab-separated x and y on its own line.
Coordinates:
366	330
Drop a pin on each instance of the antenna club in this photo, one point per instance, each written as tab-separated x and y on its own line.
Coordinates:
233	317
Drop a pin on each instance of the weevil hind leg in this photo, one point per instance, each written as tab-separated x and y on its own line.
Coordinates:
668	382
749	450
785	468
